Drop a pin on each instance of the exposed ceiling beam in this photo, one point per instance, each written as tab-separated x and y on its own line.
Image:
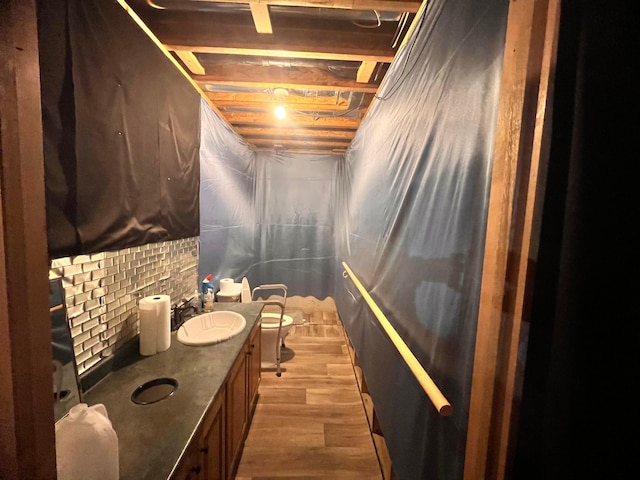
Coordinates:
380	5
338	86
257	101
313	51
191	62
365	71
261	18
249	132
300	143
269	99
309	151
291	41
307	78
266	118
238	56
224	105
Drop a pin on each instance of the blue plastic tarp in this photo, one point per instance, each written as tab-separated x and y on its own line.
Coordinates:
405	208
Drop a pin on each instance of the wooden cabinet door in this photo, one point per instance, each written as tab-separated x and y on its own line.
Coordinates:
236	414
212	441
254	367
191	468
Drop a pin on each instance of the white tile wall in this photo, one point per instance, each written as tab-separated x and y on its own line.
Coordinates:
102	291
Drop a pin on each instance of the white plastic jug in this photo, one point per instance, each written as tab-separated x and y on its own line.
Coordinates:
86	445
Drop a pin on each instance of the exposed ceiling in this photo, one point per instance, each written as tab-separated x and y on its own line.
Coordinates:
323	60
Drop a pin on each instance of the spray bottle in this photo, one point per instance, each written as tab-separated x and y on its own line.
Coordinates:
206	285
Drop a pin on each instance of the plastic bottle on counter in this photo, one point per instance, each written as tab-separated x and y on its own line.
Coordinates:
206	284
208	301
86	444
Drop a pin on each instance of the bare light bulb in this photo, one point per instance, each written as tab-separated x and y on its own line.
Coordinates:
280	112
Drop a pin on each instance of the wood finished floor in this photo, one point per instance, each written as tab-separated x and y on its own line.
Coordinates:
310	423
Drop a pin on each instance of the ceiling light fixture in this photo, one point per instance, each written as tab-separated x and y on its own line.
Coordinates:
280	93
280	112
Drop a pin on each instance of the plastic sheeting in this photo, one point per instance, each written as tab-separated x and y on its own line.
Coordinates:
121	132
265	216
412	219
227	191
406	208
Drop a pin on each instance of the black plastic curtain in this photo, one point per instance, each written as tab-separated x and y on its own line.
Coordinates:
121	132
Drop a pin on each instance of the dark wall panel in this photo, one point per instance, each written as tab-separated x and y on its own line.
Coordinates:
129	170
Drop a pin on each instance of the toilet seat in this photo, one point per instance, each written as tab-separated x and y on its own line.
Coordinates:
245	296
272	320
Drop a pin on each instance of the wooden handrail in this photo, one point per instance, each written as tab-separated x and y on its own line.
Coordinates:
433	392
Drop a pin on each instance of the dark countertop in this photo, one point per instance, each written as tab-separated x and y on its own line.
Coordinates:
152	438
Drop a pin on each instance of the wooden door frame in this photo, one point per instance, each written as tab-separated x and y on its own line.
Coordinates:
518	182
26	401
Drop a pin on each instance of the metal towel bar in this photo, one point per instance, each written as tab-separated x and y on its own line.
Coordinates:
433	392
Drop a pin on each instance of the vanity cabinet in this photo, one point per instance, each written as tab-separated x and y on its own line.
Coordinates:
254	360
212	441
215	453
205	458
190	468
236	417
242	394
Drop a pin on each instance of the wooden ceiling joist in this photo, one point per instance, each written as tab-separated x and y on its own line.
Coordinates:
310	52
300	143
365	71
252	132
379	5
289	41
266	118
191	62
226	105
237	57
305	78
261	18
306	151
293	100
263	101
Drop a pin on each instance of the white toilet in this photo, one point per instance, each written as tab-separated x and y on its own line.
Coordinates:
271	342
269	337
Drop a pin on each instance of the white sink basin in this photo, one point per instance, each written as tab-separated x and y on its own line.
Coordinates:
209	328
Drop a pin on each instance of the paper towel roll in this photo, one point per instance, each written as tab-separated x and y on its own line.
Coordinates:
155	324
227	285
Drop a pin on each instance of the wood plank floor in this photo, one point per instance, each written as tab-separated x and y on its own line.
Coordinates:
310	423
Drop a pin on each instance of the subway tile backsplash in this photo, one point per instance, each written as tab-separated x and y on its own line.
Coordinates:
102	290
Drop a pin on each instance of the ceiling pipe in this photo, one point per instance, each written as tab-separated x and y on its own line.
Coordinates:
316	12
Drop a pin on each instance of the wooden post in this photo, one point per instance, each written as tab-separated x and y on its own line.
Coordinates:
519	165
26	385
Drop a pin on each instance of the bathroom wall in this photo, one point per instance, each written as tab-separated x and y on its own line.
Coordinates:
264	215
412	221
107	136
102	289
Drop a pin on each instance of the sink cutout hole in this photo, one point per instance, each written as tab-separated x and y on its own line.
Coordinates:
154	390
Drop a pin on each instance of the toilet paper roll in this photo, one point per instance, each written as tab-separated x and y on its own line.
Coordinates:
227	285
155	324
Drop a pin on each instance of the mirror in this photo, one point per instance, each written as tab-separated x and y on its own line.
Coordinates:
66	388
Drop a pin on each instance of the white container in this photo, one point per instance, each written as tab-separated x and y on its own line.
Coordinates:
86	444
